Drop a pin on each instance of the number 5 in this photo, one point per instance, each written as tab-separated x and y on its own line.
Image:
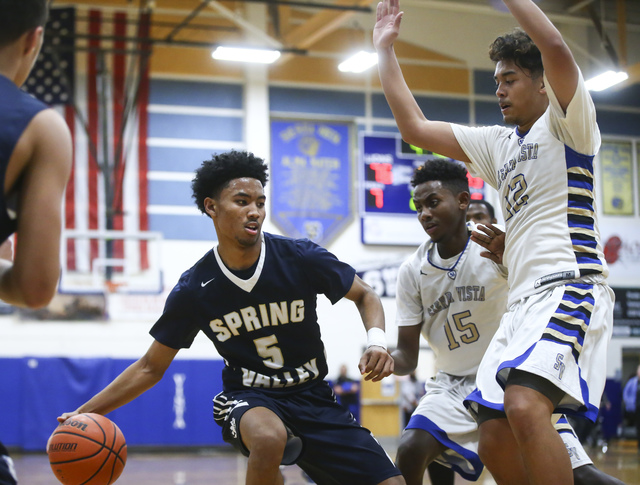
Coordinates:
266	347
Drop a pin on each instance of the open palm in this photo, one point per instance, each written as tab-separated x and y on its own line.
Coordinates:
387	28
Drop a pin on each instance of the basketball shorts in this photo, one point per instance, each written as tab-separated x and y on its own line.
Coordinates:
335	449
576	452
7	472
442	414
560	334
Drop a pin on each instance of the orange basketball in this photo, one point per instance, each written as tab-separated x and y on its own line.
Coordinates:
87	449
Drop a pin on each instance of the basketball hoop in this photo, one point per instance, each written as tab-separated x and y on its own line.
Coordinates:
112	286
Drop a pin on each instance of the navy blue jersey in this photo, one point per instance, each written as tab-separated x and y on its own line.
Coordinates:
265	327
17	109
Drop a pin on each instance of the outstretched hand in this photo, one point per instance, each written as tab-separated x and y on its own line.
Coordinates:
375	364
492	239
387	28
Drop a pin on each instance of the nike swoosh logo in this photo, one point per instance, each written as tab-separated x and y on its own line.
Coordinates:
425	274
205	283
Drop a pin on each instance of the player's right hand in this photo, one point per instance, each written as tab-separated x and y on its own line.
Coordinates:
63	417
387	28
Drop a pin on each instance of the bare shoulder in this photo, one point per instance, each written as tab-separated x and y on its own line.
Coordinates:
51	140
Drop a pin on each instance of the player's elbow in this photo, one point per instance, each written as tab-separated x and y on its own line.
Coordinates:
38	295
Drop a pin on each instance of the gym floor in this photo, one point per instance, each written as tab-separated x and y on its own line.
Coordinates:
226	467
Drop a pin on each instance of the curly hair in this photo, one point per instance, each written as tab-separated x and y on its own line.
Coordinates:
20	16
452	174
518	47
215	174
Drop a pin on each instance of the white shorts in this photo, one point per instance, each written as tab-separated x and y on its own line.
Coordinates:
576	452
560	334
442	414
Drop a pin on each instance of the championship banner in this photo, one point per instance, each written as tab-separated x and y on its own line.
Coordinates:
310	178
616	162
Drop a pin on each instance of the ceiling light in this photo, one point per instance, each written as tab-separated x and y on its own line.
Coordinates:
243	54
359	62
606	80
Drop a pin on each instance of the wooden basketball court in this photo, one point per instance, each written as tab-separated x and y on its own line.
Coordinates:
223	466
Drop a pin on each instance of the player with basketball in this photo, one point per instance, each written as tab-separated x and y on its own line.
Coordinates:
254	296
452	295
35	162
547	355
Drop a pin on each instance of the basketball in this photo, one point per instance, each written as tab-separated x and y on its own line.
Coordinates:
87	449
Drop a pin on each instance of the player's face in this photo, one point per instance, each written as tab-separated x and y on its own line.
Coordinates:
440	212
479	214
522	99
239	211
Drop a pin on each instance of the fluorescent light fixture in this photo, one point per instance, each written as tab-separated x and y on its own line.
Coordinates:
359	62
606	80
243	54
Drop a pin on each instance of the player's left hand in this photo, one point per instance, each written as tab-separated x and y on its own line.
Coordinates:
375	364
492	239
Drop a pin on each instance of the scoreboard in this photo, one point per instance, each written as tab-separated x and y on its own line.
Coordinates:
386	165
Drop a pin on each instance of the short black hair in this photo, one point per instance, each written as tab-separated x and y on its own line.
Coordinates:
215	174
518	47
452	175
490	209
20	16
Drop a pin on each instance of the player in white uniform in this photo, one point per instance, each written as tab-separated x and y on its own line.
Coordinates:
454	297
552	341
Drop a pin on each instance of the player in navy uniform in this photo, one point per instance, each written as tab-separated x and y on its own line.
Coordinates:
254	295
35	161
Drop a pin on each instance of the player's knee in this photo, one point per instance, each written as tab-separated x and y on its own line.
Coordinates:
409	446
267	441
525	409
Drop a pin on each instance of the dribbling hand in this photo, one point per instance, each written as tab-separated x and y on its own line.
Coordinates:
387	28
376	364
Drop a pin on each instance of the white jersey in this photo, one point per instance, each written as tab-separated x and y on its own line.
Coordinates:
546	186
458	302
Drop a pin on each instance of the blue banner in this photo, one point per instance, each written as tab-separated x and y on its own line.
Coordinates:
178	410
310	178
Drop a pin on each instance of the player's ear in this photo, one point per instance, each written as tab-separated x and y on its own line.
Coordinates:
542	88
210	206
33	41
464	199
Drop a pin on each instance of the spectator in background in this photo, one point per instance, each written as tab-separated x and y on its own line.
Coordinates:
631	400
347	391
411	390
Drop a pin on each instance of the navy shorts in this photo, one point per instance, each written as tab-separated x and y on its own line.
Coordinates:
7	473
335	448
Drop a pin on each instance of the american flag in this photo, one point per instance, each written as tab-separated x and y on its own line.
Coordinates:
94	69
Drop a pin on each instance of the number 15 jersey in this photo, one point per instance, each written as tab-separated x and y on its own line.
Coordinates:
459	310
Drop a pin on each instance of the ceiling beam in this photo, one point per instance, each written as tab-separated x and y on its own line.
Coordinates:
321	25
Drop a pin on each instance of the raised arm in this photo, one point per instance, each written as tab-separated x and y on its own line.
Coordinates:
376	362
132	382
559	65
39	167
414	127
